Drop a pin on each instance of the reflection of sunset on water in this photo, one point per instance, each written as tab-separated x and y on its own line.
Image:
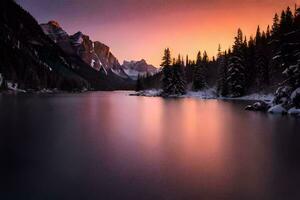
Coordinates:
187	140
113	145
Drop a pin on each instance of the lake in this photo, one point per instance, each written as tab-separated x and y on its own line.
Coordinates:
112	146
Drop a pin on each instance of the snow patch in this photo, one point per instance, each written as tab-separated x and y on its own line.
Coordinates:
203	94
100	63
278	109
14	87
276	57
134	74
295	93
211	93
257	97
294	111
148	93
93	63
118	72
78	41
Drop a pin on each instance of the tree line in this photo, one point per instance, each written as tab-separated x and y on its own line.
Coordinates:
264	62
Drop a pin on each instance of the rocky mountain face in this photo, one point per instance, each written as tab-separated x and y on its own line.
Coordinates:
138	68
32	60
36	57
28	58
95	54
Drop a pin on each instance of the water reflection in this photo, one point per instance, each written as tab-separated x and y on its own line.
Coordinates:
113	146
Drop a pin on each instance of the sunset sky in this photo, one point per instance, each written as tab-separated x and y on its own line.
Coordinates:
136	29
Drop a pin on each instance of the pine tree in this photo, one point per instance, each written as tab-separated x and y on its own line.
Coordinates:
238	41
139	83
205	59
236	76
258	35
236	69
275	26
250	71
167	72
289	19
222	85
263	71
268	33
219	51
187	62
199	79
199	58
286	21
261	62
293	75
189	70
178	79
297	19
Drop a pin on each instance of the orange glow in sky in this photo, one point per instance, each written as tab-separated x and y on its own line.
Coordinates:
136	29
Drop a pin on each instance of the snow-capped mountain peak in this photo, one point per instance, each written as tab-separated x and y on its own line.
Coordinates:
94	53
138	68
54	31
77	38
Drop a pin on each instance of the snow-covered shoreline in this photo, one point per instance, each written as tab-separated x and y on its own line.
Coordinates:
208	94
262	102
14	90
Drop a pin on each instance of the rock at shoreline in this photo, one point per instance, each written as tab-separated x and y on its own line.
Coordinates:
294	111
295	98
278	109
283	95
286	101
258	106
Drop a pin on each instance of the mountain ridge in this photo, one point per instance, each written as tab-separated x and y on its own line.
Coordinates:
32	60
96	54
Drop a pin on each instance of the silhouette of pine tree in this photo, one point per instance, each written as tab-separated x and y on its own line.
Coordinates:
236	69
222	84
178	80
167	72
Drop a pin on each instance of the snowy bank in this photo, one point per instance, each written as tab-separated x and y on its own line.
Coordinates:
207	94
285	101
147	93
294	111
14	87
256	97
278	109
203	94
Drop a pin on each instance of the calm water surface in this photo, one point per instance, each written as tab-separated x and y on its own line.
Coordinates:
111	146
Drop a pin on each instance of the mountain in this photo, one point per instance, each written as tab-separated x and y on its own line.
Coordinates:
138	68
28	58
96	54
32	60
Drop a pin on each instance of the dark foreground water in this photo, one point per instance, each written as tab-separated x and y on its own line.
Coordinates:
108	145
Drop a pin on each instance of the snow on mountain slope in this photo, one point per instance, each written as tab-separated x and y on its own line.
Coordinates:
138	68
29	59
94	53
54	31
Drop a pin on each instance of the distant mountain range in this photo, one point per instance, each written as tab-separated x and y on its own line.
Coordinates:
95	54
138	68
44	56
